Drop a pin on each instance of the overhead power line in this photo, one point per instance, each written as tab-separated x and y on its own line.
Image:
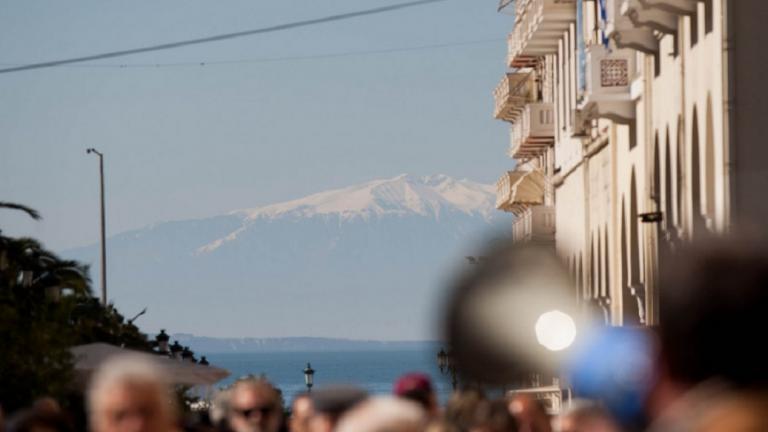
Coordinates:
272	59
216	38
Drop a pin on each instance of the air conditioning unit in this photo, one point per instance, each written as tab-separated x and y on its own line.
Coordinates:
609	79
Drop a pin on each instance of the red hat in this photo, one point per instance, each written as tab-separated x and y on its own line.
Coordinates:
412	382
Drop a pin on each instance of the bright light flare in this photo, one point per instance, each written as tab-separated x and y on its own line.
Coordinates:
555	330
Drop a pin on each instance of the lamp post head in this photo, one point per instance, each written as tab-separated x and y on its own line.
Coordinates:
309	375
176	349
187	354
442	360
162	341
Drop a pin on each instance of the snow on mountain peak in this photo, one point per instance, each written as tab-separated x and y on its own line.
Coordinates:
398	195
401	195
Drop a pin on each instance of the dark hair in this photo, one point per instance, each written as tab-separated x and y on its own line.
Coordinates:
31	420
423	397
713	297
495	416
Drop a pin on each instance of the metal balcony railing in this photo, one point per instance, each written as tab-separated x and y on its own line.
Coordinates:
514	91
539	25
517	190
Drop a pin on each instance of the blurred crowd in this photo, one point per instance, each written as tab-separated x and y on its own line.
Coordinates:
704	373
130	395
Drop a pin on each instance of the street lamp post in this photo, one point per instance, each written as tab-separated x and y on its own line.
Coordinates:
176	350
103	231
445	363
162	342
309	377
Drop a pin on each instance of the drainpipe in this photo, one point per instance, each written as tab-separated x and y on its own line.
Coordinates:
682	177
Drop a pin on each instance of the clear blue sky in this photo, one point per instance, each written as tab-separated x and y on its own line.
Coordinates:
186	142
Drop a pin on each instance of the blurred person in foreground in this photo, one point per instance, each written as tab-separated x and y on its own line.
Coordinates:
530	414
384	414
45	416
710	374
586	416
330	403
219	409
255	405
701	369
130	394
417	387
471	411
301	412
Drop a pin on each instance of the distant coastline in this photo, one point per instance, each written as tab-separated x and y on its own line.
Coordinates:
205	344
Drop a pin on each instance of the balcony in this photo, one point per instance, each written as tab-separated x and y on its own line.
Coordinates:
518	190
514	91
642	15
535	224
539	26
609	78
534	132
625	33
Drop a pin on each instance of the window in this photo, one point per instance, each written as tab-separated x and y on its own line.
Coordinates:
581	56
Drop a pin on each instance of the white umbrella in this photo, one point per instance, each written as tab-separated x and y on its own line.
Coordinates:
90	356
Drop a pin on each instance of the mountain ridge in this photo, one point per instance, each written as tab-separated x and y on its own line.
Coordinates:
207	344
313	269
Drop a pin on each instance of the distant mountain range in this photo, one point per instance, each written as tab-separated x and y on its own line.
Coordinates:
363	262
202	344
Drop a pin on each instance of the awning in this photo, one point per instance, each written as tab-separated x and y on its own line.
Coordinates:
89	357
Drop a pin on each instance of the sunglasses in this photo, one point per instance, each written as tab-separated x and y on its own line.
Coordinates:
262	410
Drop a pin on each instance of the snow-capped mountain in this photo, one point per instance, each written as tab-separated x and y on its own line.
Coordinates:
399	196
364	262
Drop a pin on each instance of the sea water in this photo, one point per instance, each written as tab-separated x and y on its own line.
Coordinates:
374	371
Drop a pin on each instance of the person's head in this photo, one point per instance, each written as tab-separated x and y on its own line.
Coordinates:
129	393
461	409
529	413
39	420
47	405
417	387
301	412
493	416
712	301
384	414
585	416
255	405
330	403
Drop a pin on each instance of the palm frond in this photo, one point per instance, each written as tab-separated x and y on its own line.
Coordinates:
34	214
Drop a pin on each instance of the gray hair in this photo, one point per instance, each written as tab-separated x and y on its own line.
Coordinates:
384	414
127	369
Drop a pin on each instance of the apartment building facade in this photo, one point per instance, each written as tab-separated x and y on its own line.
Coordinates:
635	126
